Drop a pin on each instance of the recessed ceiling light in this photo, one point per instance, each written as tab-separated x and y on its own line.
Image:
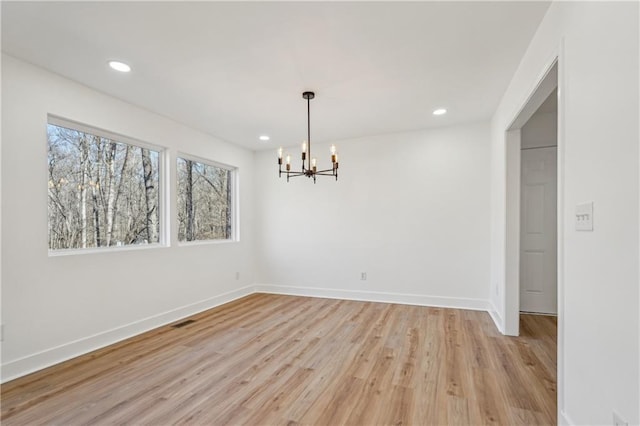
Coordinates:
264	138
119	66
440	111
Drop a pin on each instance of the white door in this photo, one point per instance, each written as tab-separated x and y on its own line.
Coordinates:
538	231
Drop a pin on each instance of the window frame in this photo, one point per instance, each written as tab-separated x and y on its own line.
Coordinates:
235	234
163	177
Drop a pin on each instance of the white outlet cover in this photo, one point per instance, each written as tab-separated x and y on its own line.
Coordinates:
584	217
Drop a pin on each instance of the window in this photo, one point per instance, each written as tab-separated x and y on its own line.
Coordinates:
103	191
204	201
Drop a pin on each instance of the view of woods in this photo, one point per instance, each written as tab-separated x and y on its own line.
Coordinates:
104	193
204	201
101	192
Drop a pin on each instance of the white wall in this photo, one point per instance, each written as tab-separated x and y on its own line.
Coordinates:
540	131
411	210
597	43
1	315
54	308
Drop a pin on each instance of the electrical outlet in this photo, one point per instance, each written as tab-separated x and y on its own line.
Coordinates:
363	276
617	420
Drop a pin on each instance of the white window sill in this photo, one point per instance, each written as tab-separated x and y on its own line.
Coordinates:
95	250
204	242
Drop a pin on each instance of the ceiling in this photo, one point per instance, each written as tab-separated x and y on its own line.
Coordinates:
237	70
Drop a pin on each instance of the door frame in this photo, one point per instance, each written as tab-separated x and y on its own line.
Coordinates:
511	294
549	80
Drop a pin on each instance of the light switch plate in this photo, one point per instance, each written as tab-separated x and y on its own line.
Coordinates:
584	217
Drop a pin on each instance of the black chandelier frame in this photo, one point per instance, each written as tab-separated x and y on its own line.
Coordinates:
309	170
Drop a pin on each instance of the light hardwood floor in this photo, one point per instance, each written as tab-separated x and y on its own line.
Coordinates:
271	359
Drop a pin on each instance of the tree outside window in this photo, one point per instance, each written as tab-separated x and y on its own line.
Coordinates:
102	192
204	201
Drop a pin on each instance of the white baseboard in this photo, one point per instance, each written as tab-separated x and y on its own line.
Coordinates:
563	419
34	362
496	317
373	296
38	361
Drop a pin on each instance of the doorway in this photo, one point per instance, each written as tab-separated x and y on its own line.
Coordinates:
547	86
550	83
538	210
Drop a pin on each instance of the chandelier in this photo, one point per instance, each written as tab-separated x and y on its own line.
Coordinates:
309	170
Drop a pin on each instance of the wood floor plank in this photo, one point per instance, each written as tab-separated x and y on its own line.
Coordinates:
273	359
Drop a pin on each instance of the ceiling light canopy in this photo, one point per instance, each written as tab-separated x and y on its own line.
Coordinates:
309	170
119	66
440	111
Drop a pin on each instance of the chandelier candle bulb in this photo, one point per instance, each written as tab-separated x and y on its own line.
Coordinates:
333	150
280	155
313	164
